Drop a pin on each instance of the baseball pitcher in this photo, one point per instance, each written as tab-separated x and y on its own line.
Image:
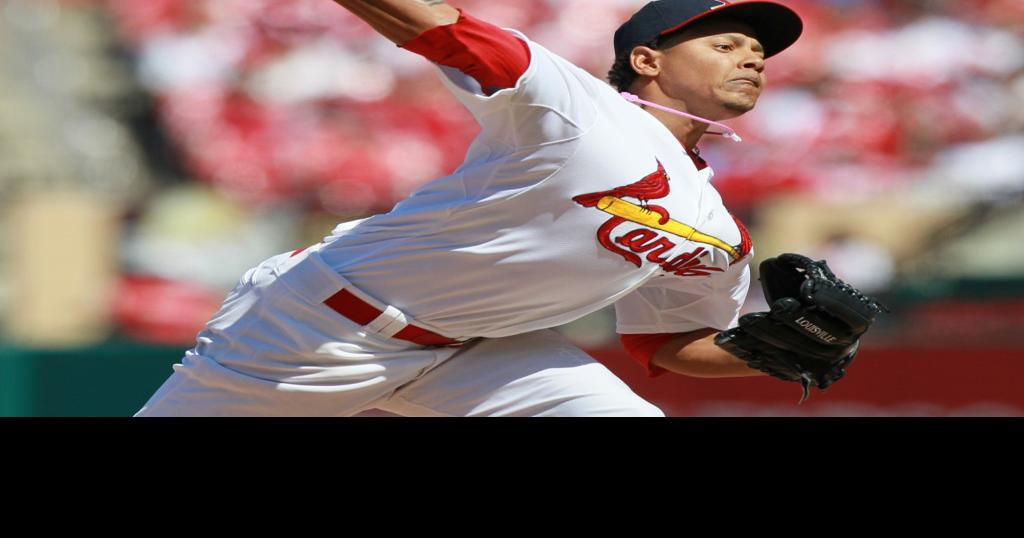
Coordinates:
576	195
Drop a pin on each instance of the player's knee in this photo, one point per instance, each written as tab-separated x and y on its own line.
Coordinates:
636	408
647	409
606	406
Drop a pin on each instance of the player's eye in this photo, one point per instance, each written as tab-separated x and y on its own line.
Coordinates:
724	47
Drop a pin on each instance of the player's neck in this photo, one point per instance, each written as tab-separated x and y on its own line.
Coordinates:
686	130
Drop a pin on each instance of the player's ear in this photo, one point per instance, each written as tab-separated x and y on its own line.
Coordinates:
646	61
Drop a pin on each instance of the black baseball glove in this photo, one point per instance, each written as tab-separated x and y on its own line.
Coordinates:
812	332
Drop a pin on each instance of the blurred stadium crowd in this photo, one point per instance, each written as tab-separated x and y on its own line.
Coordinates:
151	151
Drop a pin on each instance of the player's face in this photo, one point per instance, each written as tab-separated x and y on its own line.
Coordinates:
716	68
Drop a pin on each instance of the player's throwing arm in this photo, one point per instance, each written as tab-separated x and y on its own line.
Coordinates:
401	20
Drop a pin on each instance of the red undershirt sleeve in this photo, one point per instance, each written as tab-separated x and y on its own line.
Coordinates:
642	348
495	58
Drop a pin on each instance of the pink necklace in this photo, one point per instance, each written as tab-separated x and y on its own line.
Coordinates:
729	132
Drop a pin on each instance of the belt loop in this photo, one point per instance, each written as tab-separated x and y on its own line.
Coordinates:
390	322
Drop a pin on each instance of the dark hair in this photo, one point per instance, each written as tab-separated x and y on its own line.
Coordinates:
622	75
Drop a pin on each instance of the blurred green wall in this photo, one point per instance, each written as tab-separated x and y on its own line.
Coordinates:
112	379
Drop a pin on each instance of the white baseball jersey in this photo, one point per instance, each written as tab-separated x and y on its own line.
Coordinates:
505	245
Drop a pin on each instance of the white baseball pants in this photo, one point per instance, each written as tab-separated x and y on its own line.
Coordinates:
274	349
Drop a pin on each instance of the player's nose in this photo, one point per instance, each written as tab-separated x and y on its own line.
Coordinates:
753	60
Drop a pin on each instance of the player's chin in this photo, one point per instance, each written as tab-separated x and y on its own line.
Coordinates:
741	100
740	104
735	103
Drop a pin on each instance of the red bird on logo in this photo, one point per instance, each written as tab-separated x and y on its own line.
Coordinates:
652	187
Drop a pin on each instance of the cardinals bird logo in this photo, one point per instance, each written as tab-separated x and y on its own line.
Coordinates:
653	187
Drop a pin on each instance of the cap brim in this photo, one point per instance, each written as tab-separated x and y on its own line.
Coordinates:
776	25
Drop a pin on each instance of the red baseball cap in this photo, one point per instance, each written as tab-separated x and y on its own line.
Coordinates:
776	25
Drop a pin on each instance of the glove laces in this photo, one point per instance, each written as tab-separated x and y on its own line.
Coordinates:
872	303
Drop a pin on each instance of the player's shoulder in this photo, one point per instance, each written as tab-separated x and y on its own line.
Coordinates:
566	64
544	61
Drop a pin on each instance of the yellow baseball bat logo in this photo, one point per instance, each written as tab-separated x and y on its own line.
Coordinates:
634	213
